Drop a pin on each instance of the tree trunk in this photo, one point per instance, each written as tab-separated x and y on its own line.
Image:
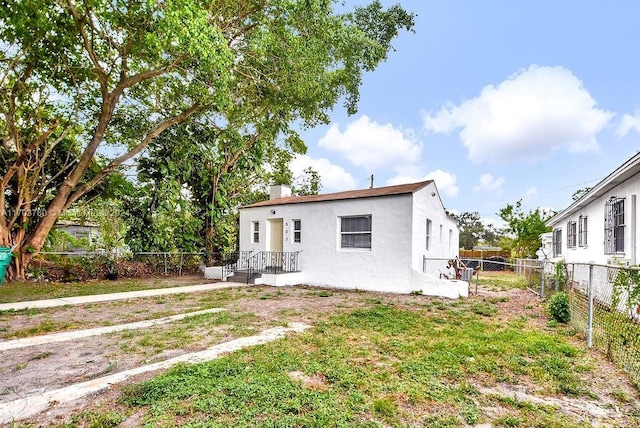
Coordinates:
211	251
19	264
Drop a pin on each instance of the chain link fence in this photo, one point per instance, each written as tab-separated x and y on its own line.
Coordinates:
604	300
604	305
78	266
170	263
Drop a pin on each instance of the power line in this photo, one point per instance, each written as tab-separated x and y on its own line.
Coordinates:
550	191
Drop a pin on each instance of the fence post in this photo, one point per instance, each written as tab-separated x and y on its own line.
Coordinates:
590	309
477	280
165	263
542	266
542	272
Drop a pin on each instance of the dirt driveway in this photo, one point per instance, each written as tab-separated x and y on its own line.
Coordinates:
35	369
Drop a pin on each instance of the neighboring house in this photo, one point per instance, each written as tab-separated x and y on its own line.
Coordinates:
545	252
601	226
375	239
79	230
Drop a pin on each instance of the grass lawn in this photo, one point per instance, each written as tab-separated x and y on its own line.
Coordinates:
387	361
29	290
500	281
432	363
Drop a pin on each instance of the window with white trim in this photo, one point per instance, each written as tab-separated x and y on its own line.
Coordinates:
297	231
355	232
614	226
582	231
557	242
571	234
255	231
428	241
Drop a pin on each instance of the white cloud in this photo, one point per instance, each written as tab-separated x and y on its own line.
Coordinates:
333	177
628	123
488	183
526	117
445	181
495	222
370	145
531	191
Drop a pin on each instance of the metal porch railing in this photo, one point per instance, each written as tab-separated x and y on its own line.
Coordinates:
232	262
271	262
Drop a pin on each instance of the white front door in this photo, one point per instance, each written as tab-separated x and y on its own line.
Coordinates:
275	235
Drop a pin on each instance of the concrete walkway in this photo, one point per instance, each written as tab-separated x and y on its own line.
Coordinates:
29	406
78	300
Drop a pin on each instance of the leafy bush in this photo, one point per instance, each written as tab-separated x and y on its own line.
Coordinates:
626	285
561	274
558	307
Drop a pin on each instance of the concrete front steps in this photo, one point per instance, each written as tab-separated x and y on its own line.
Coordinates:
241	276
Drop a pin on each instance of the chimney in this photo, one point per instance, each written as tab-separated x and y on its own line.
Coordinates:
279	191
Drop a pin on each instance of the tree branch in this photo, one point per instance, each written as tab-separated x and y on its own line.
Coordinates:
25	155
86	188
149	74
102	75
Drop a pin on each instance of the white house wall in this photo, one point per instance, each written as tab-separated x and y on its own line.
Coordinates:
594	251
428	205
386	267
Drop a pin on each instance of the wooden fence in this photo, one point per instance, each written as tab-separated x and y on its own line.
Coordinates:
484	254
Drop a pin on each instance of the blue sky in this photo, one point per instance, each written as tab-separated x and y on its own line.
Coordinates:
496	101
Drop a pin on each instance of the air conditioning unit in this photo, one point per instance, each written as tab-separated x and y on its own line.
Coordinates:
467	274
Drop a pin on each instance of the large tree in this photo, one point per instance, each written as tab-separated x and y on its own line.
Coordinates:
471	229
78	75
474	231
526	228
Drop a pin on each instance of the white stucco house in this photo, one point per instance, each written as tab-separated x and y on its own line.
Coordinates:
374	239
601	226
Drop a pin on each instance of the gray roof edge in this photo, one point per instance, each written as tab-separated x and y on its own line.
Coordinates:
598	190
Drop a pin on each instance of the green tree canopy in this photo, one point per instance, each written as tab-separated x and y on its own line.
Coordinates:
76	76
473	231
525	227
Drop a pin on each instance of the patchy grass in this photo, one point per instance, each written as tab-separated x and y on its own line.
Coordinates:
186	333
274	295
502	281
44	327
382	365
50	320
29	290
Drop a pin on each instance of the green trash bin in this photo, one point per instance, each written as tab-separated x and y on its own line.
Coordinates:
5	261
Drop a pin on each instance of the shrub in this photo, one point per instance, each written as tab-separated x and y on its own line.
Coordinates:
560	274
558	307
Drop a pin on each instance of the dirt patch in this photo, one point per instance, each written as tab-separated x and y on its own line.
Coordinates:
35	369
317	381
27	371
577	408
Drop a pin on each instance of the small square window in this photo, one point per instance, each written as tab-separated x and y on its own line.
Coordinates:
557	242
582	231
571	234
256	232
297	231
